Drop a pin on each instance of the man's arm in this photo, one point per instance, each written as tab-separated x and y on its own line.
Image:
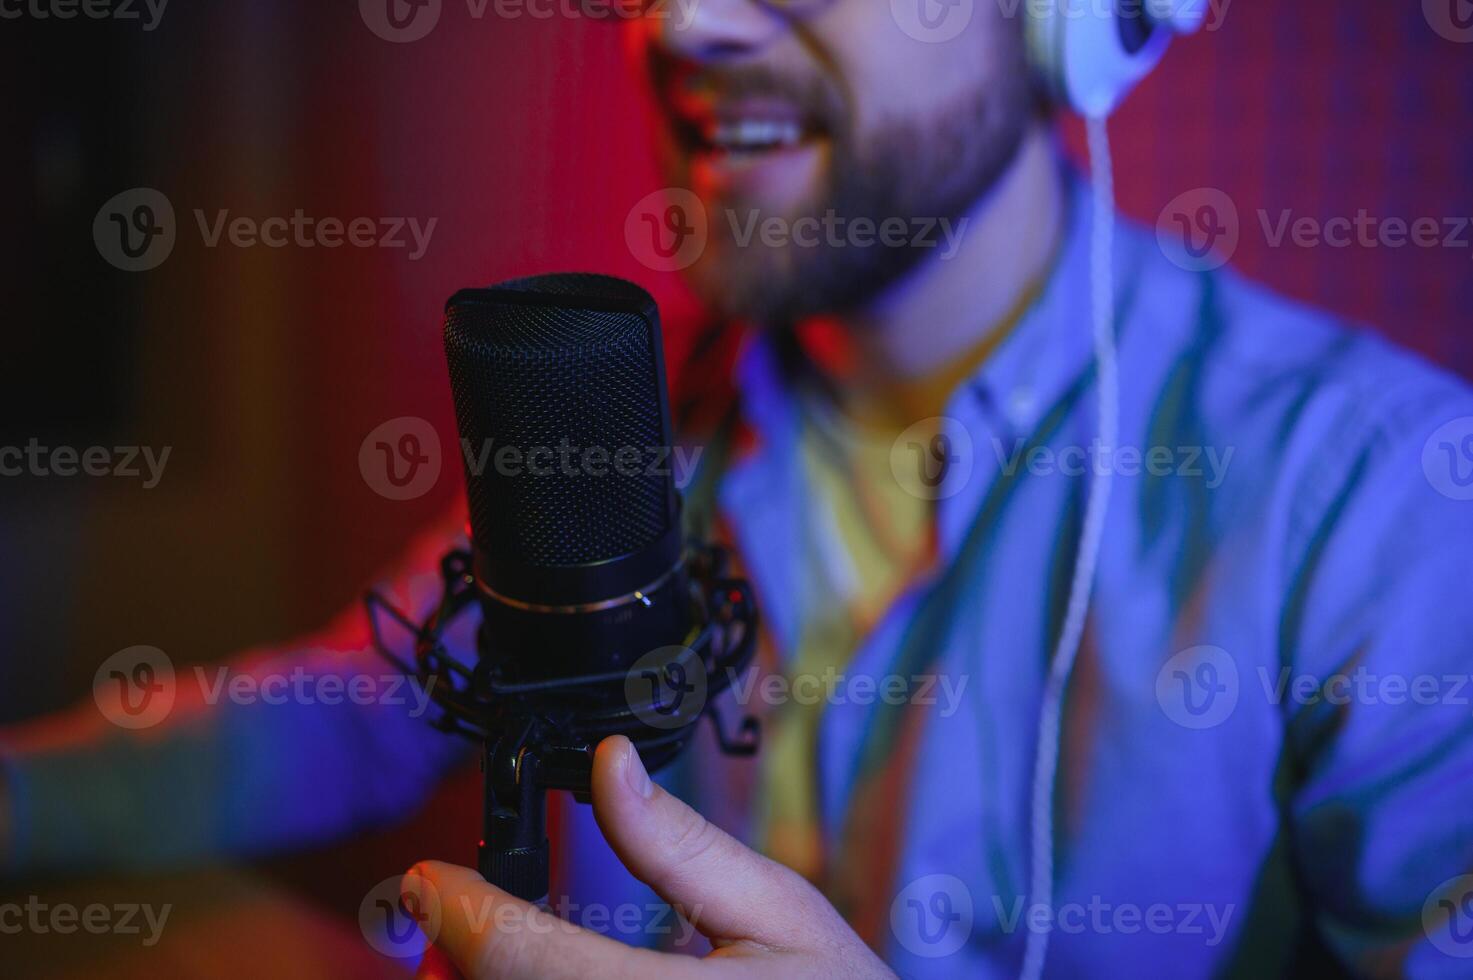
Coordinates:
282	747
1381	617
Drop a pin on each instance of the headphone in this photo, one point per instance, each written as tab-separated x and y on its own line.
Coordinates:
1090	53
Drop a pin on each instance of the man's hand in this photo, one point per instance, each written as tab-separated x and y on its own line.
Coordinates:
763	919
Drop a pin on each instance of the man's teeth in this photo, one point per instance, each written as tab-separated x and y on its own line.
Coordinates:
755	134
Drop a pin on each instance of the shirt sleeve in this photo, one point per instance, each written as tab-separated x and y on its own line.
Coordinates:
281	747
1378	707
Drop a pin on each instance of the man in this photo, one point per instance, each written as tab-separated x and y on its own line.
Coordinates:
1248	783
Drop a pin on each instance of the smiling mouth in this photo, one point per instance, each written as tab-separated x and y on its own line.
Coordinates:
744	132
751	136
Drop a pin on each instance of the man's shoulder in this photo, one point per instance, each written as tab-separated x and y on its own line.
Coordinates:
1256	354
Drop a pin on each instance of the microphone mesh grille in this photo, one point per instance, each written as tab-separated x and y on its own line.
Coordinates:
550	396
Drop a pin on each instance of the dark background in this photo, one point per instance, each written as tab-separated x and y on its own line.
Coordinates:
265	369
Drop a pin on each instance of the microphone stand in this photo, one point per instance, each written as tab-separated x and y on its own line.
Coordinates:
513	851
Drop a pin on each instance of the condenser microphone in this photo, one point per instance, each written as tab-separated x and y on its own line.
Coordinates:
599	615
560	399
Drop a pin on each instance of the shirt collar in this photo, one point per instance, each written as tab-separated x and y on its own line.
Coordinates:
1043	355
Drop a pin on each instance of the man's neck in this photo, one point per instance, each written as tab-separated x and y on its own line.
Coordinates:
950	306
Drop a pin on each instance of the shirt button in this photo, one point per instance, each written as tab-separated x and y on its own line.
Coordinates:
1021	405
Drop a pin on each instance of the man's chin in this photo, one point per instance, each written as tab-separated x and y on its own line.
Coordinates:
771	183
751	269
737	285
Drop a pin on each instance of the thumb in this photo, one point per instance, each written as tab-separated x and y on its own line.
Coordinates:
723	888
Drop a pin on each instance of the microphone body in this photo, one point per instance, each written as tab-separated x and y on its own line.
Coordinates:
560	399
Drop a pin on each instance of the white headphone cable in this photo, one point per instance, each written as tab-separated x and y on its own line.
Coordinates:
1046	763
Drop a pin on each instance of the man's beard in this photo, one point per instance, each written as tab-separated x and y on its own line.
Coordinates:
930	171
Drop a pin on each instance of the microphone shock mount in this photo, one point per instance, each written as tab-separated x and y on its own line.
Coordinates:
539	734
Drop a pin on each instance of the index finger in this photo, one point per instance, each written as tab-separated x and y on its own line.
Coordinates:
487	933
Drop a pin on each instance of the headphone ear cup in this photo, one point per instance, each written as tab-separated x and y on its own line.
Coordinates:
1087	55
1041	29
